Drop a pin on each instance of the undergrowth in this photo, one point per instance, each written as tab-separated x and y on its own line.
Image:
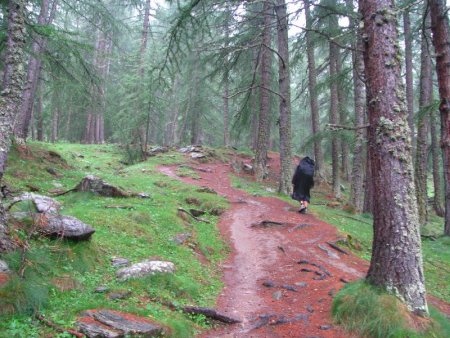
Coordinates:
59	277
371	312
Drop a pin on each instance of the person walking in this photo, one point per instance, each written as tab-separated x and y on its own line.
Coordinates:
303	181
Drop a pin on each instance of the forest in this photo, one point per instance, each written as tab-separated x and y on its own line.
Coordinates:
168	132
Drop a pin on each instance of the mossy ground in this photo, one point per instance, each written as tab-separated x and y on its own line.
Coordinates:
144	230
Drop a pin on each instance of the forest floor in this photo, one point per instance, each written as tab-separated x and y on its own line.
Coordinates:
282	274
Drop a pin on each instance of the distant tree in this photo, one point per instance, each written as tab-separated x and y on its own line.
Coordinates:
441	41
396	263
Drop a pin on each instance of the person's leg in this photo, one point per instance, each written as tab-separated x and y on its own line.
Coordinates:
302	207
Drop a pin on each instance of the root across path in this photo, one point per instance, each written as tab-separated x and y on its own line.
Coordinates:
282	274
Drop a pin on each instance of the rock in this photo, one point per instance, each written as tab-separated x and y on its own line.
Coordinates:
143	195
52	172
325	327
157	150
216	211
181	238
301	284
101	289
127	323
94	329
4	266
119	261
289	287
32	187
66	227
119	295
145	268
277	295
197	155
330	253
343	280
96	185
332	292
268	284
193	201
309	308
207	190
43	204
247	168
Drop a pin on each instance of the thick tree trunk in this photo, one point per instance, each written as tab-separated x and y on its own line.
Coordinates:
260	166
396	263
441	41
284	81
39	44
144	37
333	118
11	96
38	114
426	96
409	71
345	146
55	116
226	82
359	93
312	83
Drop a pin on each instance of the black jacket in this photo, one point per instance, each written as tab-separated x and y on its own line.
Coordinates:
303	179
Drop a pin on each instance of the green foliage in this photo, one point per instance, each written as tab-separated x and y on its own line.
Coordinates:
370	312
60	276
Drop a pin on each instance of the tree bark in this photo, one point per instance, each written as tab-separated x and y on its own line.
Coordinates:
333	118
396	263
284	81
359	93
426	96
441	41
260	166
38	114
11	96
55	116
144	37
312	83
409	71
345	148
436	155
226	81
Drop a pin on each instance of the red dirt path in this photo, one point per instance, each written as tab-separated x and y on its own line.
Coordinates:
272	254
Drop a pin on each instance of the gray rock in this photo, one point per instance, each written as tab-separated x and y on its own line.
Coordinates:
128	326
145	268
325	327
269	284
119	261
181	238
3	266
101	289
119	295
277	295
301	284
43	204
143	195
197	155
94	329
96	185
67	227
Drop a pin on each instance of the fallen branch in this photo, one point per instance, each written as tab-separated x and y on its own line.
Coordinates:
58	328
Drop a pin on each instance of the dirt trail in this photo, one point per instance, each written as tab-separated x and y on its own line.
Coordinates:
265	286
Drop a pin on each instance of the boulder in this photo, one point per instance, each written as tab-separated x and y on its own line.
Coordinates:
43	204
196	155
145	268
119	261
157	150
109	323
66	227
96	185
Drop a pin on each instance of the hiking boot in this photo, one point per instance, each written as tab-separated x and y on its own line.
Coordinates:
302	210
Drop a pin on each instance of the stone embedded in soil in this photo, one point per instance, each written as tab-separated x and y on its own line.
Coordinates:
58	226
101	289
145	268
196	155
277	295
181	238
325	327
207	190
268	284
119	261
96	185
3	266
196	212
309	308
289	287
108	323
43	204
119	295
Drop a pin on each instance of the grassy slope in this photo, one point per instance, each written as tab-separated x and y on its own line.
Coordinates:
144	231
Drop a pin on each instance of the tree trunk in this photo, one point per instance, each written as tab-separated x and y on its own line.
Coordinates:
333	118
11	96
409	71
426	96
55	116
345	147
396	263
436	154
285	186
195	110
359	93
38	114
441	41
144	37
226	81
39	44
312	83
260	166
253	105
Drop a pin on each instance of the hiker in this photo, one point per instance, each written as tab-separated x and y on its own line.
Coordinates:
303	181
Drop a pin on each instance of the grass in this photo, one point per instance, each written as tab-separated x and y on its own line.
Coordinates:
146	230
370	312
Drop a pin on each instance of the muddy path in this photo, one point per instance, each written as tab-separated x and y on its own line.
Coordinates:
265	285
